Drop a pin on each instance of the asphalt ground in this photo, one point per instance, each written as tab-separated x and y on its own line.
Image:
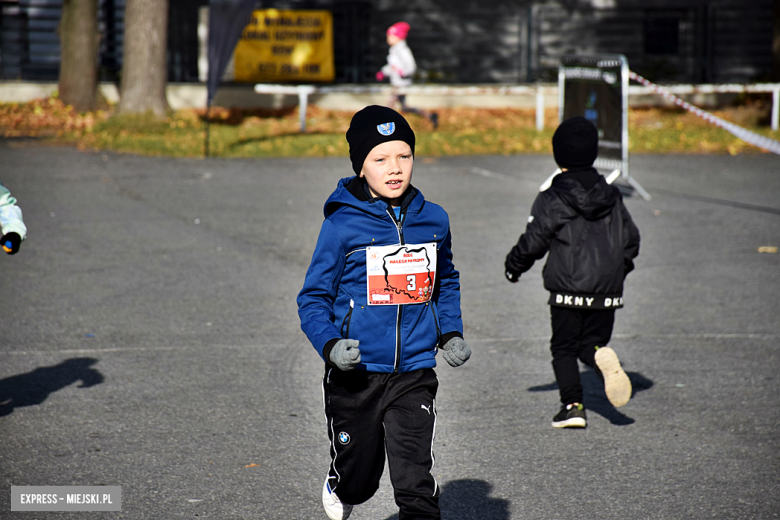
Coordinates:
150	340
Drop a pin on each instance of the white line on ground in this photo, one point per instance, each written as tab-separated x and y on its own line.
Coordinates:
134	349
636	336
471	340
493	175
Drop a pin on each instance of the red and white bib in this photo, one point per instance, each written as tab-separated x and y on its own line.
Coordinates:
400	274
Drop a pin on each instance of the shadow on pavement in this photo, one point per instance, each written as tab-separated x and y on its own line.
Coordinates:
596	400
469	499
35	387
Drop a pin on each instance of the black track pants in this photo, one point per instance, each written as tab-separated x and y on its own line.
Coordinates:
371	414
575	335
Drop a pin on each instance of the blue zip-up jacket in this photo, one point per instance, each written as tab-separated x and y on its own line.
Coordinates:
333	302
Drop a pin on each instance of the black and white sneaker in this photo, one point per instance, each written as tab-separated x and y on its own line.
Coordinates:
570	416
334	508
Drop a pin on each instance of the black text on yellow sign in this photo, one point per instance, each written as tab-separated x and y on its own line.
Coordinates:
286	46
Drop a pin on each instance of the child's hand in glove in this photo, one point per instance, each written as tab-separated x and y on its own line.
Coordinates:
345	354
511	275
11	242
456	352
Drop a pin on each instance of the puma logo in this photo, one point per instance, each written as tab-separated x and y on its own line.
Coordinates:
426	408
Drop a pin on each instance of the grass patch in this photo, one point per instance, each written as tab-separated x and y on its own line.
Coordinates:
274	133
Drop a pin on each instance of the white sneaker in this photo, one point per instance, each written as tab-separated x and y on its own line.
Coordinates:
616	382
334	508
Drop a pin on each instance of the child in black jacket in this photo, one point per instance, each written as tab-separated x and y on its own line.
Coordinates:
592	241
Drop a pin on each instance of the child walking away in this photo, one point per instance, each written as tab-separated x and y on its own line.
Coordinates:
400	68
380	297
592	241
11	224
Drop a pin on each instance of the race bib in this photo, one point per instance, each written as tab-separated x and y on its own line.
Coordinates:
400	274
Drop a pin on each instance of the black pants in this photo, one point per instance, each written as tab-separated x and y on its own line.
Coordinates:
575	335
401	99
370	415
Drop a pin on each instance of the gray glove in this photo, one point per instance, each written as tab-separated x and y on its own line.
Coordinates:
456	352
345	354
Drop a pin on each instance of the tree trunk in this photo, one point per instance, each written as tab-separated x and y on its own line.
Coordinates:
145	66
776	44
79	39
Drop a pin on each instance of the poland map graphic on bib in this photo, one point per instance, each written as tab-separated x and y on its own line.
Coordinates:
400	274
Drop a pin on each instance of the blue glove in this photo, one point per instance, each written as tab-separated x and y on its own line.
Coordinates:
456	352
345	354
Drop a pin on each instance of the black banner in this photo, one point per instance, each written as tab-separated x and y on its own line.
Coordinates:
593	88
227	19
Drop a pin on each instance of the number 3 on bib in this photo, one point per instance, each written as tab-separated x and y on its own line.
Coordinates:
400	274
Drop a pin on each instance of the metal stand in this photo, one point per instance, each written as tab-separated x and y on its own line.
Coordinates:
624	73
302	91
608	69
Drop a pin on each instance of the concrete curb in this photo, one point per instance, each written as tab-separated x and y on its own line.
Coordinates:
354	97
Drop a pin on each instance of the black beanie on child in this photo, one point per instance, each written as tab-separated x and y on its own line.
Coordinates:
575	143
372	126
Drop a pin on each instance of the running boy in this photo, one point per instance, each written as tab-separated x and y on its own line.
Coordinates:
400	68
582	221
364	312
12	228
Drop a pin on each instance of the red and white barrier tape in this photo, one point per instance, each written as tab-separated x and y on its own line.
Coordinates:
746	135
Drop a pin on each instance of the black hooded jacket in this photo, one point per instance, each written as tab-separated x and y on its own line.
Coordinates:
582	221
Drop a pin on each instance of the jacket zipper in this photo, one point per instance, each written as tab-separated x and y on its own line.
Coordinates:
398	225
397	363
347	319
399	314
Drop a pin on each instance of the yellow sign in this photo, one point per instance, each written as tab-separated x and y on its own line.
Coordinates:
286	46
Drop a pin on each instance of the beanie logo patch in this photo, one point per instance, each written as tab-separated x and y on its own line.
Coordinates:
386	129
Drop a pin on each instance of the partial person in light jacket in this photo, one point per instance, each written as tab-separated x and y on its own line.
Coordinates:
399	70
11	224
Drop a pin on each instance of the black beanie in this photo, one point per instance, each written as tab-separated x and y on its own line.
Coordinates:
372	126
575	143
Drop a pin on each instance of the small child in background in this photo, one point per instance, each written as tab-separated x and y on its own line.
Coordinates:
11	224
400	68
582	221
